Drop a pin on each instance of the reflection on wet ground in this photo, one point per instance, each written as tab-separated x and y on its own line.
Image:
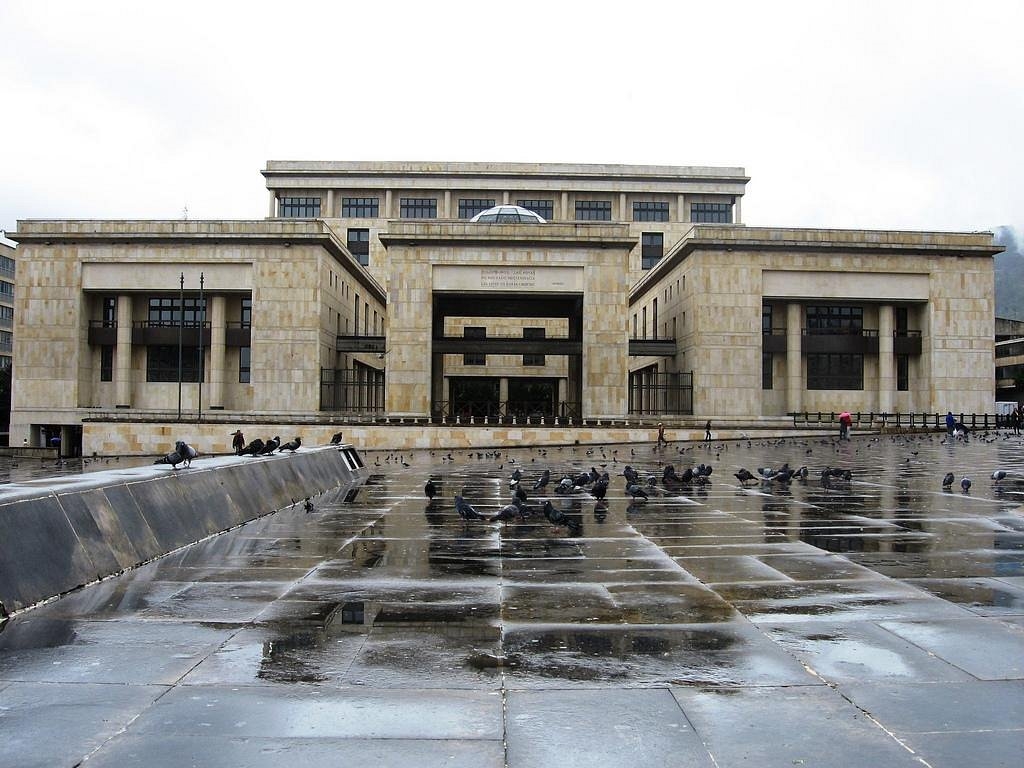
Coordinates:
381	622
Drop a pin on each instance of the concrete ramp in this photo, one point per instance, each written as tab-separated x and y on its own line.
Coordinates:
59	534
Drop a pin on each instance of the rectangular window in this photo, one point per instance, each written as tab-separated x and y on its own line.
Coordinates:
360	207
652	248
835	320
534	333
470	207
593	210
107	363
711	213
167	312
766	370
766	320
832	371
902	373
901	317
654	318
109	312
647	210
6	313
299	207
7	265
359	245
544	208
244	364
474	332
643	322
7	289
246	316
418	207
162	363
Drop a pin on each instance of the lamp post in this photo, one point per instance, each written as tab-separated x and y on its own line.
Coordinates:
202	328
181	326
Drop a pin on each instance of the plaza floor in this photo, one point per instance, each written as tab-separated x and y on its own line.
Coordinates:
874	622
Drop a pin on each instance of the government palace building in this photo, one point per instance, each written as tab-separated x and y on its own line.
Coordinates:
467	303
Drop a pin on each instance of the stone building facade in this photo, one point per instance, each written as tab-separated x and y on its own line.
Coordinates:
369	296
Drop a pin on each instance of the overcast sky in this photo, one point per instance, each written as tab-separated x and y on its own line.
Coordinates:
882	115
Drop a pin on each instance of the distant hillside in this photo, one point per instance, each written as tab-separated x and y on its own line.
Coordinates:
1010	274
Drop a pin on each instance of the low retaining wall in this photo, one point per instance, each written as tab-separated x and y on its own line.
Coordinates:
73	530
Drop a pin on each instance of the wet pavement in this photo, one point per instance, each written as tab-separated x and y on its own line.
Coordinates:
876	621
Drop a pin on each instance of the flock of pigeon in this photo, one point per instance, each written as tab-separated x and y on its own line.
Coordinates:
183	453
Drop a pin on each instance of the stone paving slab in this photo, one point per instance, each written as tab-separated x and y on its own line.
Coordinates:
57	724
548	728
190	750
985	648
786	727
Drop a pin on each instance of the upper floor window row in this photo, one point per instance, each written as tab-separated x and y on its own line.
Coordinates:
6	288
7	265
168	311
711	213
418	207
470	207
543	208
593	210
360	207
835	318
650	210
300	207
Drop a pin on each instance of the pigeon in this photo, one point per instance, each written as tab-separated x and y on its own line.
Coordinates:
271	446
336	438
947	481
999	474
558	517
744	476
252	449
174	458
519	494
636	492
466	510
599	489
965	484
543	480
511	512
308	505
187	452
430	490
293	446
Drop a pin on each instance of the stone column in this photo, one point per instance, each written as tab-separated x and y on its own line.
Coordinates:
794	367
387	206
218	323
329	214
623	216
503	392
886	361
273	204
565	214
738	211
123	353
682	214
446	205
506	196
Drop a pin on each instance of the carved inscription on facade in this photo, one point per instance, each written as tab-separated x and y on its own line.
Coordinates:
508	277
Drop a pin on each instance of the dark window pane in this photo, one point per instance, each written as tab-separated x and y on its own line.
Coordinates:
830	371
652	247
650	211
299	207
418	207
711	213
107	363
766	370
593	210
359	245
360	207
162	363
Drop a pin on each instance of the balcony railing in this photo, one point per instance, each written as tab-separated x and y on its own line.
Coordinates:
523	412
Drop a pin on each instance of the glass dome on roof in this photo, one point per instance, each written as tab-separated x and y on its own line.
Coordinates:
508	214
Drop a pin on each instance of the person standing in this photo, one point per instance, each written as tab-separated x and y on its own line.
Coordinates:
661	434
845	422
707	431
237	441
950	423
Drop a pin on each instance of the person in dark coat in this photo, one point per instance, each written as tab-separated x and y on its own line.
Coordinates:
237	442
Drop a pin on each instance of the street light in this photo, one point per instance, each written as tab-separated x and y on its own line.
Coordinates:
181	326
